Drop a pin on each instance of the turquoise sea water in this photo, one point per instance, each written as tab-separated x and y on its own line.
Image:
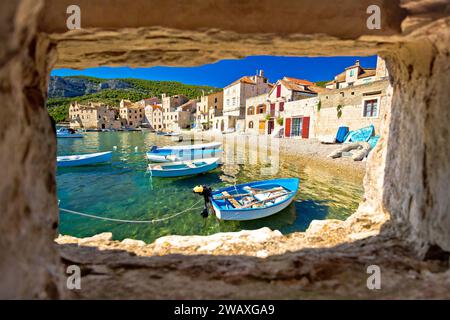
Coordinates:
123	189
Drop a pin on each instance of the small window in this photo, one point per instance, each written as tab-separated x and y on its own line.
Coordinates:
370	108
250	125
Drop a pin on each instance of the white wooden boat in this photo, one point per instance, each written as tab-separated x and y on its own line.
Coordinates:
253	200
183	168
184	152
83	159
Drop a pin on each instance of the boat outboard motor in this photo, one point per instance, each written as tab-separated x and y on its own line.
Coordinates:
206	192
153	148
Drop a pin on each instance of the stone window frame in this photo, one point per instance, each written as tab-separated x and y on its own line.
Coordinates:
378	98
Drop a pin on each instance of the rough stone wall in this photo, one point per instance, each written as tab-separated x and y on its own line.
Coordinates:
28	261
417	168
407	175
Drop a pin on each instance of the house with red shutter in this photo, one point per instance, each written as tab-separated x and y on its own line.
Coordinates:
288	92
300	117
265	114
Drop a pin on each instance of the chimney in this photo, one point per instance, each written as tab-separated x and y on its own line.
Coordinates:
261	73
357	63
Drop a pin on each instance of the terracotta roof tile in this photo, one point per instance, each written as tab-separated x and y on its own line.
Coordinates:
244	79
298	81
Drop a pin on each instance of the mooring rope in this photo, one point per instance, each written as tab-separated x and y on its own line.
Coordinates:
132	221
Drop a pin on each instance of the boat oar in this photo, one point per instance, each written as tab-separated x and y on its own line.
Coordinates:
248	194
248	205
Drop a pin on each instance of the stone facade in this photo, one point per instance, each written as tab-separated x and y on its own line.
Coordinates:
154	117
170	114
93	116
357	75
361	106
265	114
208	107
182	117
131	113
256	110
235	94
294	112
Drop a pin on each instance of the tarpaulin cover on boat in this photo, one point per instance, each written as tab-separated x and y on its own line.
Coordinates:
341	134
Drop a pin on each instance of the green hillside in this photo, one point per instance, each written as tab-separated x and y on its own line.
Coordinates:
58	107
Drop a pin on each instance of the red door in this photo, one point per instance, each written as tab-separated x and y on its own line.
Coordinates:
287	127
305	127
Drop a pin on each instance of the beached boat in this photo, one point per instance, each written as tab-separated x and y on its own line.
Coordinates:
183	168
249	201
360	135
68	133
83	159
184	152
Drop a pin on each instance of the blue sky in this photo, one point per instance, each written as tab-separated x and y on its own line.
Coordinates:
224	72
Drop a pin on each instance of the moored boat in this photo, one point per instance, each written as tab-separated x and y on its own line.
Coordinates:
184	152
249	201
183	168
68	133
83	159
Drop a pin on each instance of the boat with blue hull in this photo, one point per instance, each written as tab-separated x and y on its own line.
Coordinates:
360	135
250	201
83	159
184	152
183	168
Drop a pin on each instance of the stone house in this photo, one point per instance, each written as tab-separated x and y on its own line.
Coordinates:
207	108
256	113
356	98
357	75
153	101
169	106
153	117
182	117
92	116
235	94
299	118
265	113
353	106
131	113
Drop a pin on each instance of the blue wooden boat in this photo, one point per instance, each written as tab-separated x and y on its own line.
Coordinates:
253	200
183	168
83	159
360	135
184	152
